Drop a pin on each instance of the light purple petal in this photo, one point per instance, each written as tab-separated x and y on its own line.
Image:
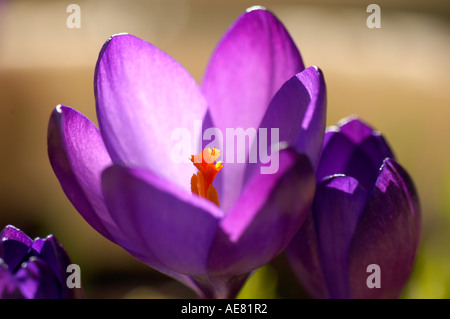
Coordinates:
268	213
78	157
142	96
387	235
298	111
250	64
172	229
338	205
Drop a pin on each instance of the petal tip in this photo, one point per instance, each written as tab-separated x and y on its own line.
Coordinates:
255	8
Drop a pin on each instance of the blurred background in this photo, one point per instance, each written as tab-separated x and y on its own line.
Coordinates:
396	78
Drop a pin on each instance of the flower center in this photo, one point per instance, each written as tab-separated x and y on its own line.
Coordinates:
201	183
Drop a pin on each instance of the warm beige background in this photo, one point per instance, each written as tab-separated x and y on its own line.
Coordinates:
396	78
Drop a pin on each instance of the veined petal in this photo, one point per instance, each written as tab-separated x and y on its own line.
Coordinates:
268	213
173	229
338	205
249	65
387	235
142	96
78	156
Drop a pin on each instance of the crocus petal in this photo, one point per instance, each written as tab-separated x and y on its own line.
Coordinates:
143	96
36	280
377	150
78	156
173	229
14	245
355	129
12	233
8	286
298	111
13	252
340	155
250	64
335	155
387	235
57	259
269	212
303	256
338	205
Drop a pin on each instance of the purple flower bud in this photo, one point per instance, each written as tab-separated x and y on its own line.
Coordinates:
365	212
33	269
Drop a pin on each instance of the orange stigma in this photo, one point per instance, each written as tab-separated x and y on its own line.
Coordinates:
201	183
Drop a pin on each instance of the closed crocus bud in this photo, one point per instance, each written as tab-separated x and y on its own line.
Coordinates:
362	236
34	269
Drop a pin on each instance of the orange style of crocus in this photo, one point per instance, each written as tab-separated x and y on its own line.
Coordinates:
201	183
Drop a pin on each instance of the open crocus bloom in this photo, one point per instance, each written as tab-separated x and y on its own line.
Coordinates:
33	269
124	182
365	212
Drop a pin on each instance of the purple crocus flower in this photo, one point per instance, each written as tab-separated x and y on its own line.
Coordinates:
123	181
33	269
365	212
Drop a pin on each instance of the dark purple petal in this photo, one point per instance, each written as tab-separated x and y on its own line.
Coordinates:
8	287
14	246
338	205
269	212
171	228
376	149
335	155
36	280
12	233
142	96
349	154
55	256
387	235
355	129
303	256
250	64
78	157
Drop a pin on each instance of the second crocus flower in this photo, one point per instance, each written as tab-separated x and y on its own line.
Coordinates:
365	219
33	269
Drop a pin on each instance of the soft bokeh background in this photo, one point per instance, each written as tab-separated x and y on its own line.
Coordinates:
396	78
